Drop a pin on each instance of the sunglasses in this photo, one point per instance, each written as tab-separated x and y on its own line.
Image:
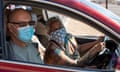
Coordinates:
22	24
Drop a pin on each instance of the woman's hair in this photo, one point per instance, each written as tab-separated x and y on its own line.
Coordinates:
53	19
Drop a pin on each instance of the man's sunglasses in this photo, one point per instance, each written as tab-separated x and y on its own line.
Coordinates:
22	24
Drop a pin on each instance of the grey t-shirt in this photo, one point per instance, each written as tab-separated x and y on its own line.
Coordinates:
27	54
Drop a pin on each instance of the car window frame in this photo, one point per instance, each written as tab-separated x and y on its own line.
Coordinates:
57	9
2	29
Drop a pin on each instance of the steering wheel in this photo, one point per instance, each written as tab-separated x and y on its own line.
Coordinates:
101	52
102	59
104	40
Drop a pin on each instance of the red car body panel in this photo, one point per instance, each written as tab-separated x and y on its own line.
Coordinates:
16	67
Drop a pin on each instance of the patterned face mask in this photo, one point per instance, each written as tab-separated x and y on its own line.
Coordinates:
58	36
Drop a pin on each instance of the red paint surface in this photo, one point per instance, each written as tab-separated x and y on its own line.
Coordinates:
11	67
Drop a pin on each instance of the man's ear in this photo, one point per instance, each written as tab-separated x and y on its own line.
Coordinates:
12	29
9	26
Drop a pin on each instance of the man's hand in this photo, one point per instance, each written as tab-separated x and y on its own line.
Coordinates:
97	48
90	54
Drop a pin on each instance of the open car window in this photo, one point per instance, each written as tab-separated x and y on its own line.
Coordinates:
76	27
81	30
37	40
84	34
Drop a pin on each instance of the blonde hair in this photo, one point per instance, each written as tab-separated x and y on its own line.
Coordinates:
53	19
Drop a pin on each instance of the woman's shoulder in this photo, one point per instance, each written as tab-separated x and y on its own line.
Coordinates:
52	45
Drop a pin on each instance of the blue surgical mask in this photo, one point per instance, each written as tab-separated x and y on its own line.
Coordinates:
25	33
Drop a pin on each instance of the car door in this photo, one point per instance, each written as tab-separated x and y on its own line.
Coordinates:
0	28
1	31
68	12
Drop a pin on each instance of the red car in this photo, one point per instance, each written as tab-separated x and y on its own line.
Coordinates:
84	19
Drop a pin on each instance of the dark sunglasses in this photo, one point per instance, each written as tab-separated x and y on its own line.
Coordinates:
22	24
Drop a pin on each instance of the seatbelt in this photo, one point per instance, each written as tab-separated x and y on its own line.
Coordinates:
61	47
76	53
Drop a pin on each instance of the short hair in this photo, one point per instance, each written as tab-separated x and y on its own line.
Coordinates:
11	14
53	19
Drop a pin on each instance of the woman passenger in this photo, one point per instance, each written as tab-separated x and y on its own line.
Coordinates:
63	49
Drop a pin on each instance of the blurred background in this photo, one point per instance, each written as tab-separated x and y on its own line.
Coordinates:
112	5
